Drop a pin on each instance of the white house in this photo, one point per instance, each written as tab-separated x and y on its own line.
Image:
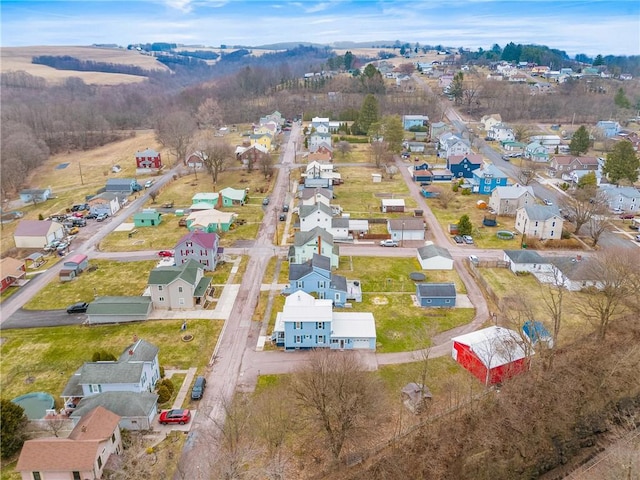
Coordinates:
525	261
316	138
506	200
312	216
573	273
539	221
489	121
626	199
501	133
432	257
389	205
320	124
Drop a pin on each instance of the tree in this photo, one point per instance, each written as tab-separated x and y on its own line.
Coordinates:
580	141
588	180
215	154
464	225
153	195
348	60
380	152
344	148
456	89
622	163
522	132
13	423
175	131
598	224
371	80
336	396
393	132
266	165
209	114
369	113
621	99
584	203
445	197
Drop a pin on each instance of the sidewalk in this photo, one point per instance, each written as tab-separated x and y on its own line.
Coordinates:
184	388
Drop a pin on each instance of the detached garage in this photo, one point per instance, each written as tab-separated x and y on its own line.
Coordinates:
37	233
118	309
492	354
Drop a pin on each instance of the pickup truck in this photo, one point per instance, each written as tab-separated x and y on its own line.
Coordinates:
388	243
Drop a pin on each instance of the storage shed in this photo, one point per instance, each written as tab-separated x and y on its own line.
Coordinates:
492	354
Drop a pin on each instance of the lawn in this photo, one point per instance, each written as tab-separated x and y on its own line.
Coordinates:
43	359
111	278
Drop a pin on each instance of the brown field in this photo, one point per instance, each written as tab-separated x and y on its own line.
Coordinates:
19	58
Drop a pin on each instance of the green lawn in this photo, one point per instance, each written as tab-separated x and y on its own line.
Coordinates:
43	359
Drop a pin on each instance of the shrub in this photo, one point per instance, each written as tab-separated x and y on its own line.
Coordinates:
161	371
167	383
163	394
103	356
455	187
466	191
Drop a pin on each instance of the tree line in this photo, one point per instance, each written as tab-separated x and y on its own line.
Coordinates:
67	62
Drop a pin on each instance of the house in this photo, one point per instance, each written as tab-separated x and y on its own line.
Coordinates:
319	156
317	240
416	397
525	261
501	133
451	144
409	121
149	217
492	355
436	294
136	410
321	147
539	221
233	196
441	175
549	141
389	205
37	233
210	220
306	322
514	146
179	287
35	195
565	164
201	246
573	273
196	160
536	152
317	138
83	455
311	196
312	216
506	200
609	128
263	139
437	129
148	160
205	201
340	229
11	271
415	147
433	257
253	154
111	309
407	228
314	276
108	203
489	121
486	178
462	166
320	124
316	170
136	370
122	185
626	199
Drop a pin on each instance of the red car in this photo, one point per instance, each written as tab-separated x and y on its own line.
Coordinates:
175	416
627	216
78	214
165	253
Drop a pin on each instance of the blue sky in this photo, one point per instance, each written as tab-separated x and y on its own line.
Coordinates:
576	26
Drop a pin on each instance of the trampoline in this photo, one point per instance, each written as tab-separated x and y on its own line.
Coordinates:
504	235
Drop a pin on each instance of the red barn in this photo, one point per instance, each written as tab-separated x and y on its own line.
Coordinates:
148	159
492	354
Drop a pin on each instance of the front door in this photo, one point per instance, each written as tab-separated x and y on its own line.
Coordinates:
341	344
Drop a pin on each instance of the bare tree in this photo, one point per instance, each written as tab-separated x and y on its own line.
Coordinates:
527	171
266	165
583	204
522	132
175	131
153	194
335	395
445	197
344	148
380	152
598	224
57	424
209	114
215	154
391	170
614	270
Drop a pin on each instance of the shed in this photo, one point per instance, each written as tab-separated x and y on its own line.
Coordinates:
406	228
492	354
376	177
147	218
37	233
118	309
67	274
432	257
392	205
12	271
77	263
436	294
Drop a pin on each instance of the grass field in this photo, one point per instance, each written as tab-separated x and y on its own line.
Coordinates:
43	359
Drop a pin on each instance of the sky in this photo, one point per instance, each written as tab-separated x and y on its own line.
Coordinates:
575	26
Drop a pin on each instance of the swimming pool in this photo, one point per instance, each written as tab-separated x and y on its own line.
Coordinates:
35	404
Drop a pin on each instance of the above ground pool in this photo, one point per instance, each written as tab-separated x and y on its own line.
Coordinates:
35	404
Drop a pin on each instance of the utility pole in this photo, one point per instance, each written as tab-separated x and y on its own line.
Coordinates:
80	167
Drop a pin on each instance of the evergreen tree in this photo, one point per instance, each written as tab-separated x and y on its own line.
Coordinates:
369	113
622	163
13	423
457	87
348	60
598	61
393	133
464	225
621	99
580	141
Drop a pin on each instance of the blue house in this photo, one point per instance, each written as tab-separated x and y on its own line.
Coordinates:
436	294
409	121
422	174
314	276
306	322
35	195
608	127
462	166
486	178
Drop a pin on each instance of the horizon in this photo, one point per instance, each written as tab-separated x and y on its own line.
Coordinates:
573	26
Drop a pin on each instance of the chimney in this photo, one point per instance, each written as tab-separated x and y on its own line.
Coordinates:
84	428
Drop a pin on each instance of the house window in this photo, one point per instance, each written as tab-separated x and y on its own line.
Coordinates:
320	284
536	224
189	244
337	297
320	339
113	438
36	476
99	462
159	288
298	339
161	299
179	289
551	234
428	300
95	388
300	284
447	301
181	301
553	224
297	325
76	476
319	325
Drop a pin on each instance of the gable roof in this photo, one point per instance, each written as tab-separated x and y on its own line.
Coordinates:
57	454
301	306
98	424
512	191
568	159
489	169
431	251
234	193
205	240
10	267
541	213
149	152
119	306
475	158
309	193
35	228
299	270
408	223
436	290
120	182
494	346
306	210
188	272
302	238
573	269
125	404
340	222
139	351
525	256
96	373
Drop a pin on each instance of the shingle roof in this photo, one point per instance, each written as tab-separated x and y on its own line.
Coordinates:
309	193
34	228
125	404
10	267
541	212
165	275
96	373
524	256
202	286
436	290
119	306
410	223
205	240
430	251
512	191
98	424
139	351
573	269
302	238
306	210
57	455
475	158
340	222
489	169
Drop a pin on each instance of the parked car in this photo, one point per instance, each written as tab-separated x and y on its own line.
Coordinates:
468	239
265	201
405	155
62	246
282	217
506	158
627	216
473	259
182	222
50	247
165	253
91	216
547	202
637	238
198	388
388	243
73	231
175	416
148	184
80	307
79	222
489	139
78	214
285	208
102	217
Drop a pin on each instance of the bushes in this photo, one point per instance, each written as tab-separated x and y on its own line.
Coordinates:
103	356
163	394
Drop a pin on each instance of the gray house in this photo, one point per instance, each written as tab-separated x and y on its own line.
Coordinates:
35	195
122	185
136	410
179	287
436	294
